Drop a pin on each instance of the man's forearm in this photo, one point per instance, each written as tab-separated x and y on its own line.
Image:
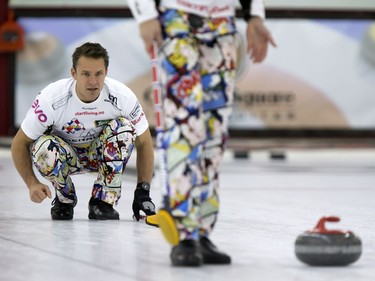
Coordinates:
145	160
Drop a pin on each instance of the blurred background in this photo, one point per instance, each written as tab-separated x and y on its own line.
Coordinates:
315	89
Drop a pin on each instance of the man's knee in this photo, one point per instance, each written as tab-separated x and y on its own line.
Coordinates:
119	125
43	144
119	134
44	153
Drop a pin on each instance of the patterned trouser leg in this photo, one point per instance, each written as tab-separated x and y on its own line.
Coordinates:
109	154
56	160
197	70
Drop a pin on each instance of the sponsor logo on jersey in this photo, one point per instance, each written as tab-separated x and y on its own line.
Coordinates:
136	121
73	126
89	113
136	111
100	123
62	101
39	112
113	100
203	8
88	108
84	138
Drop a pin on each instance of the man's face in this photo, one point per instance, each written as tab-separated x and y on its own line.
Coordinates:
90	74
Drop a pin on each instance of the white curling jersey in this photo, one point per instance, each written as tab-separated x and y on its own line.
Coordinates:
58	110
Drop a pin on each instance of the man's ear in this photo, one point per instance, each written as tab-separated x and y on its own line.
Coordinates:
73	73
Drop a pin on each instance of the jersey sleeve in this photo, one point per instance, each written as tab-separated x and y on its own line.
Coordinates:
143	10
135	114
38	118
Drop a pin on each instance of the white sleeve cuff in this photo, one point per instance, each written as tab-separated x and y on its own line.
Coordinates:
258	9
143	10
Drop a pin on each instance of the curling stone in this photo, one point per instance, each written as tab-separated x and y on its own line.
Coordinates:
323	247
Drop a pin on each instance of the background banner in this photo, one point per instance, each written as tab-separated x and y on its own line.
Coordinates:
284	4
321	75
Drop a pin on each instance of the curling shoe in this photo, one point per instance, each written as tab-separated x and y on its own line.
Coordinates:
100	210
211	255
62	211
186	253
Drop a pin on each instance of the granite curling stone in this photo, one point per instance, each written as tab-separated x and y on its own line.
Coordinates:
323	247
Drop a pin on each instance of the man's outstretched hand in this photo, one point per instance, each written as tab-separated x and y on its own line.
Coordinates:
142	202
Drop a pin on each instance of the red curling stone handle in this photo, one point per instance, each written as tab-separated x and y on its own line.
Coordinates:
321	228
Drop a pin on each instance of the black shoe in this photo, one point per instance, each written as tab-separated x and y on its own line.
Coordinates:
61	211
100	210
186	253
211	255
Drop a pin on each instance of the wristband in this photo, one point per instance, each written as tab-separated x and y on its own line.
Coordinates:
143	185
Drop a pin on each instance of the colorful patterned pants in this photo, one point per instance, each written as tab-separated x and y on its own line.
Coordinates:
108	154
197	73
